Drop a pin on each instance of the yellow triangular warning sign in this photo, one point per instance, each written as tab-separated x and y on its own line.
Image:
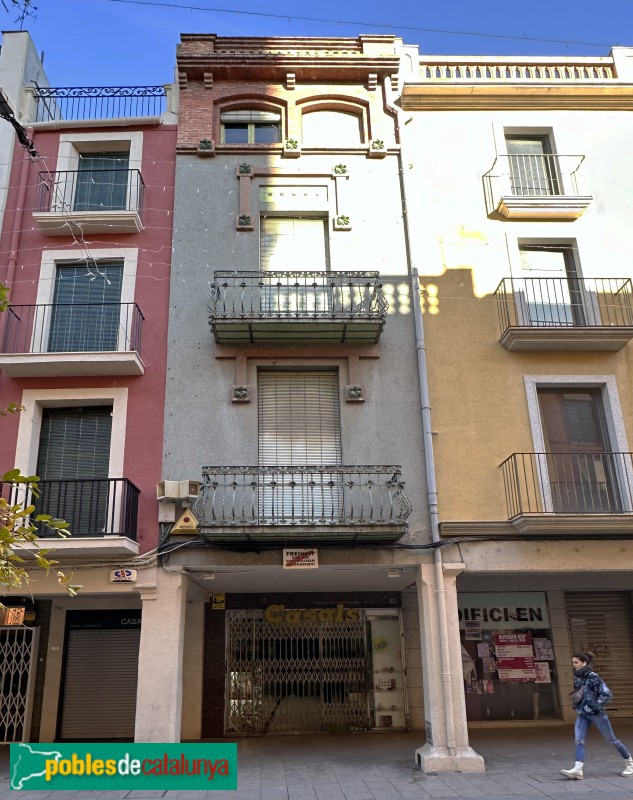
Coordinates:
186	524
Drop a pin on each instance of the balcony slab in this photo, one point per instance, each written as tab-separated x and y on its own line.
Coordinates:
290	330
304	534
590	524
561	208
600	338
55	223
53	365
106	546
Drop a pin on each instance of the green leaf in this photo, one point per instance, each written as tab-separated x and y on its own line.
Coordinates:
10	476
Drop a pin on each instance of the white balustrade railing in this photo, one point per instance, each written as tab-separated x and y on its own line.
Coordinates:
484	70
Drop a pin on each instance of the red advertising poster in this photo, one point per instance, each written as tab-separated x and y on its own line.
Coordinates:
515	657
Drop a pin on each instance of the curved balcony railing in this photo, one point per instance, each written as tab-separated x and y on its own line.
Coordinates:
568	483
92	508
335	306
98	102
76	191
297	294
302	496
72	327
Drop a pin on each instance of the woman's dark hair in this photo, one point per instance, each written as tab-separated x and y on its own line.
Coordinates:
586	657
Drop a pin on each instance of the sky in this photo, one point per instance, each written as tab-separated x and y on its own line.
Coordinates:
124	43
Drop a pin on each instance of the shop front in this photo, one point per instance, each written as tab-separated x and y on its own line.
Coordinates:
508	656
308	663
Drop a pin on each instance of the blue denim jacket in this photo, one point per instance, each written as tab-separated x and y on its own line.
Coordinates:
595	692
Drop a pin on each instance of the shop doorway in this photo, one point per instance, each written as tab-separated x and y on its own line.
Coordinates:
309	671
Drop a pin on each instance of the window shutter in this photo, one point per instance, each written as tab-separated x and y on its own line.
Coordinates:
249	116
102	182
294	245
299	418
73	462
75	443
86	312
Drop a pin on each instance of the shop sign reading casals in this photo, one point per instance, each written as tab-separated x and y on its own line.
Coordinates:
278	613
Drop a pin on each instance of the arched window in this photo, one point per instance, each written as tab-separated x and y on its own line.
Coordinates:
331	129
250	127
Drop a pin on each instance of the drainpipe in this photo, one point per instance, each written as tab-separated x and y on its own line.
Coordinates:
429	462
427	435
17	219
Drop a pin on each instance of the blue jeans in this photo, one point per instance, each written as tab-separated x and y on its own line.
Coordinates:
603	724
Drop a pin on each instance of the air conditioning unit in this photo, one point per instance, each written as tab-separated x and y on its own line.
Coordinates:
188	490
170	491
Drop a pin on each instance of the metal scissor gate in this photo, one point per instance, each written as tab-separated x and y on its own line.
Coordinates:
309	675
18	661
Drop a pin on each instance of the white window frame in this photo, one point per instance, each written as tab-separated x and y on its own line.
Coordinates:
48	270
73	145
614	420
30	427
250	118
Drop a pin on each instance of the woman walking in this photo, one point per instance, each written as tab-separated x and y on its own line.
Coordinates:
590	696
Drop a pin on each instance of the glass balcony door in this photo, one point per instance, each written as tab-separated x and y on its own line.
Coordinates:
297	246
548	290
533	168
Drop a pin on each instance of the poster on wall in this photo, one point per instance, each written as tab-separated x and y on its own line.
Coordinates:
541	670
473	631
515	657
543	650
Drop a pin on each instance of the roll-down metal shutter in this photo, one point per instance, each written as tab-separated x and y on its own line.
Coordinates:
602	623
293	244
299	418
100	678
86	312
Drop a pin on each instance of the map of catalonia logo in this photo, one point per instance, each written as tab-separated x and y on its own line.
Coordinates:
103	766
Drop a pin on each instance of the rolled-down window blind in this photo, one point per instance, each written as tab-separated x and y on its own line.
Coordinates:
296	245
299	418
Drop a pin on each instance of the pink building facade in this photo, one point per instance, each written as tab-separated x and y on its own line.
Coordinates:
85	251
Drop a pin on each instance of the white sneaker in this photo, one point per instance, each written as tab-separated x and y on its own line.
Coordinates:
628	767
575	773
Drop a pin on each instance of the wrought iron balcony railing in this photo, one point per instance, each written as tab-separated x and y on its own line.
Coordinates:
98	102
73	191
567	302
302	496
92	508
72	328
568	483
320	303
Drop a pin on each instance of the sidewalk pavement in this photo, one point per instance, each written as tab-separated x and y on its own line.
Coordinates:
521	764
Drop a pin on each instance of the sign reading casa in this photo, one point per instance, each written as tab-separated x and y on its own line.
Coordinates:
292	616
